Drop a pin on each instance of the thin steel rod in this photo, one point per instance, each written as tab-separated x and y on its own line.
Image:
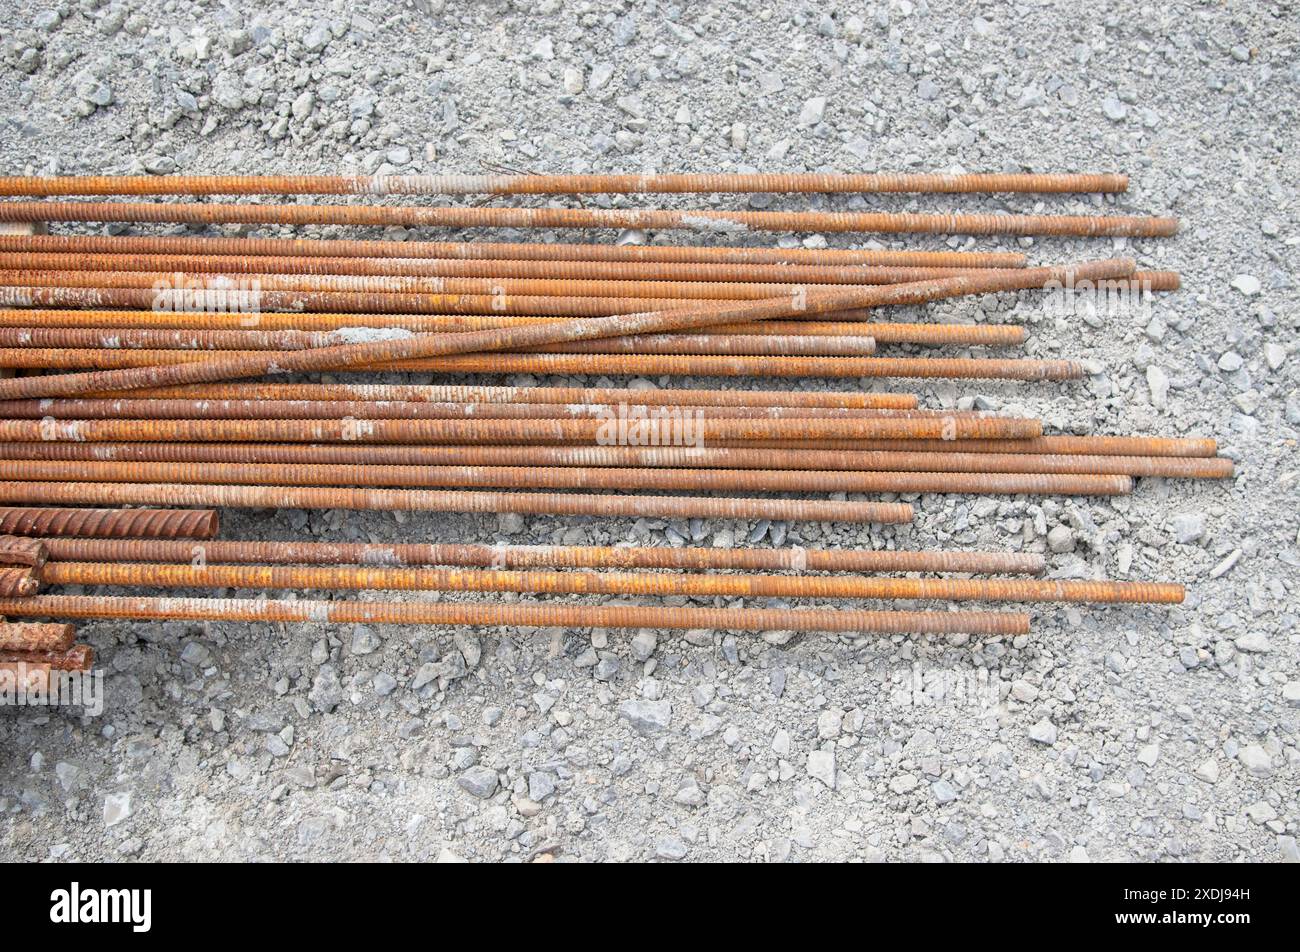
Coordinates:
110	523
626	184
1046	445
209	575
544	556
154	362
705	220
430	345
706	457
504	251
36	637
628	431
421	500
322	330
516	614
525	477
463	393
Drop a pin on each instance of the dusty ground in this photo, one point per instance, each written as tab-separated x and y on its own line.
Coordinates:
1151	734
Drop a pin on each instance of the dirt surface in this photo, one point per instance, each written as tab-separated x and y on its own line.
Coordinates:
1107	734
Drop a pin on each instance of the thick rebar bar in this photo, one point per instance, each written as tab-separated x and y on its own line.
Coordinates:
504	251
529	477
464	393
209	575
795	558
16	636
110	523
275	330
687	457
76	658
632	432
18	582
431	345
703	220
476	268
516	614
21	550
426	500
626	184
151	364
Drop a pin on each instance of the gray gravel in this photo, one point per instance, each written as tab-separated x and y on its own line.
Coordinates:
1143	733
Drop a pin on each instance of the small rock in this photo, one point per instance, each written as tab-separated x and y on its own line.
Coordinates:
479	782
821	766
1255	642
647	716
1188	527
364	640
1247	284
1256	760
669	847
1158	384
1208	771
643	644
1061	539
540	786
1261	812
813	111
1044	732
1114	110
117	807
1149	754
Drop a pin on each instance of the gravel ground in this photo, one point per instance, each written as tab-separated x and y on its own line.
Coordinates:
1119	734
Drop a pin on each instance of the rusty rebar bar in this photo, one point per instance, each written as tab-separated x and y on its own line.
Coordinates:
476	268
795	558
463	393
532	477
18	582
504	251
703	220
21	550
431	345
150	364
626	184
76	658
127	338
16	636
1045	445
110	523
647	432
1184	467
516	614
425	500
209	575
277	330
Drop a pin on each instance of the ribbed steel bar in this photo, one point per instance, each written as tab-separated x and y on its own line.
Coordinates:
430	345
424	500
245	331
476	268
465	393
76	658
110	523
1195	467
1046	445
209	575
544	556
15	636
626	184
532	477
504	251
510	362
701	220
21	550
664	430
108	409
203	341
18	582
516	614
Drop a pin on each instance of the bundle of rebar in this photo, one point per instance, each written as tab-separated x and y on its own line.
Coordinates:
139	367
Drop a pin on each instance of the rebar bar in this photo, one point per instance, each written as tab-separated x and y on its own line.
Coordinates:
1173	467
76	658
498	184
209	575
646	432
1045	445
110	523
526	477
245	331
504	251
16	636
705	219
516	614
463	393
20	550
150	365
18	582
795	558
429	345
424	500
